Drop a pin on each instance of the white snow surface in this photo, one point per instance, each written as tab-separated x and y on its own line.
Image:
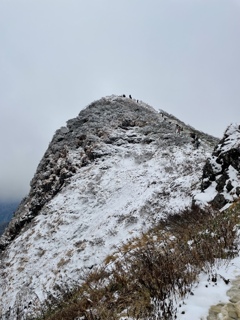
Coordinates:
207	293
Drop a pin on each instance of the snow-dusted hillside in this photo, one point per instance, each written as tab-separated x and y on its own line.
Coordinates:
109	174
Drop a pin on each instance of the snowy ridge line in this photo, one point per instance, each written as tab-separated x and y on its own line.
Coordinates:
121	98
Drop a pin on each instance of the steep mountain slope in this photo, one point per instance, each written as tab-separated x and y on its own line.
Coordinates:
109	174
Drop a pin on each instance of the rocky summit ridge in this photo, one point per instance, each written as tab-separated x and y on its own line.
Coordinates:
112	172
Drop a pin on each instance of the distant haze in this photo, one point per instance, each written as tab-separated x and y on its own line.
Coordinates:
57	56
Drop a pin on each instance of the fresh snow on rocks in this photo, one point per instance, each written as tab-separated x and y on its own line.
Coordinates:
221	174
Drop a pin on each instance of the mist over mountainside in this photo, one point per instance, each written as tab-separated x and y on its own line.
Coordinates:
7	209
6	212
113	171
220	185
3	226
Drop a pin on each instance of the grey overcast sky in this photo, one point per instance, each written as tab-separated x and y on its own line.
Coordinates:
57	56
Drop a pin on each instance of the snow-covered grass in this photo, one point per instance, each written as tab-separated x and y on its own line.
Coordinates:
176	270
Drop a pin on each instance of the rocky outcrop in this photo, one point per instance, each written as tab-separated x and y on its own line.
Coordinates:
220	184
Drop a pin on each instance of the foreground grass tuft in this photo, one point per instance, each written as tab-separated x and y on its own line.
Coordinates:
145	276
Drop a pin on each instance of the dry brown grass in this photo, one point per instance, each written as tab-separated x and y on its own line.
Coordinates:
62	262
142	279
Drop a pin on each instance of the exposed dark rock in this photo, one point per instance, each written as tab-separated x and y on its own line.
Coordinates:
208	175
238	191
219	201
229	186
221	181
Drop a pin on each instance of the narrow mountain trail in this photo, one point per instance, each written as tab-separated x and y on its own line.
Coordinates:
231	309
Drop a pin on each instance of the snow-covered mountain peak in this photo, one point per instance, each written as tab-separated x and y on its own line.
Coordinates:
112	172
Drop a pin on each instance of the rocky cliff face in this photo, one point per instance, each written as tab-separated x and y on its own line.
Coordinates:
220	184
109	174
